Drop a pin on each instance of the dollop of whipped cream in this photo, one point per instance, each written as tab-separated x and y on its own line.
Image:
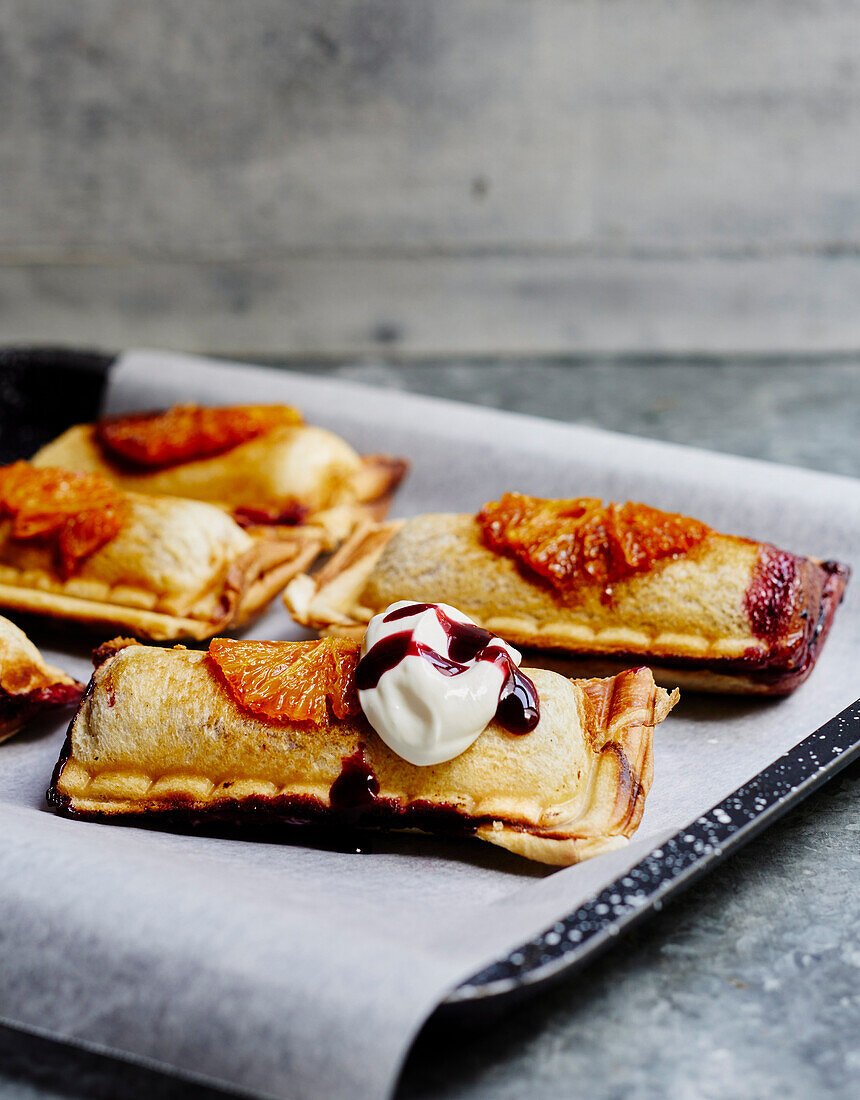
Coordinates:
430	681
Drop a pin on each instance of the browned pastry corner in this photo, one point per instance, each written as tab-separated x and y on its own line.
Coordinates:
715	612
159	736
164	568
28	685
110	648
285	473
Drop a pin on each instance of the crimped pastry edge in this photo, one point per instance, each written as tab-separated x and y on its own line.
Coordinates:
618	714
381	475
328	598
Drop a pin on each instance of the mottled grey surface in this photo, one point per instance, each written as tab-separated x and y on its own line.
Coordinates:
749	987
444	175
804	411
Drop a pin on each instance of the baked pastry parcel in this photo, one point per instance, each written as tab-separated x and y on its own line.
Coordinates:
162	736
259	462
608	583
73	547
28	685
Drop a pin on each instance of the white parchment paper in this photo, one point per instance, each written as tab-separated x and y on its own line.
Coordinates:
292	971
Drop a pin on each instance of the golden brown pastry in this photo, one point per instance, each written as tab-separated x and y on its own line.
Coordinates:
162	734
74	547
27	684
260	463
619	582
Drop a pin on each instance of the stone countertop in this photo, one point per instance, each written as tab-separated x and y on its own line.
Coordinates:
749	986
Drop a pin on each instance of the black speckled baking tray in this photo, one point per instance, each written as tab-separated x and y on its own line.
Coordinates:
43	391
665	871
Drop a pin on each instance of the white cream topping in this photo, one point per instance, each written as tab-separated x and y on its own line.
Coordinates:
422	714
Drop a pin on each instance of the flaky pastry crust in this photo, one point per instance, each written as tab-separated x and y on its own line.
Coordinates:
298	470
28	685
159	736
731	615
177	568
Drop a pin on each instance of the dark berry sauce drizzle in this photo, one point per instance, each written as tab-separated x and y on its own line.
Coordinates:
356	787
518	710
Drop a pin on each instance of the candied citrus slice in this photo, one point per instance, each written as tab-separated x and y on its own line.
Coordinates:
583	541
186	432
78	513
290	680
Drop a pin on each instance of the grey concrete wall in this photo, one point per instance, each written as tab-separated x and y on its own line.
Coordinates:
271	176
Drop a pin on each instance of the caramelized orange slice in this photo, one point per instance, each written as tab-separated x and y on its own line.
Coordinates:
286	681
186	432
583	541
78	513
